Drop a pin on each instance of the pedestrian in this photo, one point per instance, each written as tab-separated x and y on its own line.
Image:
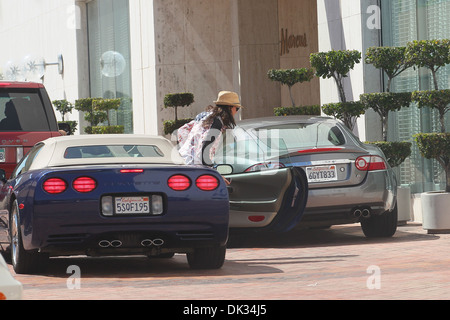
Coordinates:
198	140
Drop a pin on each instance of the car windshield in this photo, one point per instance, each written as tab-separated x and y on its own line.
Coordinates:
22	110
305	135
113	151
242	150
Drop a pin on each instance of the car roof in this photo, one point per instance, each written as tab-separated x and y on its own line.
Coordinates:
57	146
269	121
18	84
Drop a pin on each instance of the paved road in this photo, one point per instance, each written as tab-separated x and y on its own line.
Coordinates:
338	263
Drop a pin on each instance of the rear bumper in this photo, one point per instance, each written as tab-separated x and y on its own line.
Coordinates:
79	228
378	193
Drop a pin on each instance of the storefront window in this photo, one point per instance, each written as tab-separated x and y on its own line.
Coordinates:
404	21
109	56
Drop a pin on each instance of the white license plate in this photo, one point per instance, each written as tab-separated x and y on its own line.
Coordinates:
2	155
322	173
132	205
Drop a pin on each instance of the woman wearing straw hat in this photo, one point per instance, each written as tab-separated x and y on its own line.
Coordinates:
197	143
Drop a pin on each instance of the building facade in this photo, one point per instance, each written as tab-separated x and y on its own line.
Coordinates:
141	50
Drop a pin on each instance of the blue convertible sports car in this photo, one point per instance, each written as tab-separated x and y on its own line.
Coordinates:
111	195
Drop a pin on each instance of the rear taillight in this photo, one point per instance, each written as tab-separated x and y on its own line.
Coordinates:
84	184
179	182
55	186
207	183
370	163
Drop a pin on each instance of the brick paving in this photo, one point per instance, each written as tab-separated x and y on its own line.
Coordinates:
338	263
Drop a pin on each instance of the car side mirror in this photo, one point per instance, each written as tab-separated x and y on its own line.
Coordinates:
224	169
3	175
62	126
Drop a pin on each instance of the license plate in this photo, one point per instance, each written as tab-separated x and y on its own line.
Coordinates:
322	173
132	205
2	155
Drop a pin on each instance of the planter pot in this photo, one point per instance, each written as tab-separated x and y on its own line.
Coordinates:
404	204
436	211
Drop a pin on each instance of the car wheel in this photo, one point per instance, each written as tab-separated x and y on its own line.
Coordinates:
380	226
207	258
23	261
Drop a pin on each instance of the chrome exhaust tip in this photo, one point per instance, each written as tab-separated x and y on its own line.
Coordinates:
150	242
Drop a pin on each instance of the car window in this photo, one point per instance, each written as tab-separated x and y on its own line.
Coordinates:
26	162
241	150
22	110
305	135
113	151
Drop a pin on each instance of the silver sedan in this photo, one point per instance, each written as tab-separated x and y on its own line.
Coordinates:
348	181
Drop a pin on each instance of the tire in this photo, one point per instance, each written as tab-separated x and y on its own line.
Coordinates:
207	258
381	226
23	261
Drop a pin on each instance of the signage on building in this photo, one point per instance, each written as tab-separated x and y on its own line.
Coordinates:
291	41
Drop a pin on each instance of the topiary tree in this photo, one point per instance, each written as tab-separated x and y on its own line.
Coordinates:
347	112
336	65
290	77
64	107
391	60
176	100
385	102
97	111
436	146
435	99
431	54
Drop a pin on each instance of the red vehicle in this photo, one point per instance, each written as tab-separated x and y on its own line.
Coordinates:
26	117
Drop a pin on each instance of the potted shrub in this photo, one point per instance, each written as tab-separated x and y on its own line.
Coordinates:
96	112
176	100
64	107
434	54
337	65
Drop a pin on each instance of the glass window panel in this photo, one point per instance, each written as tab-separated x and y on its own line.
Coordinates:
404	21
109	56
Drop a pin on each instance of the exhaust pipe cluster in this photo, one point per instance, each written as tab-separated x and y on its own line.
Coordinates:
362	213
117	243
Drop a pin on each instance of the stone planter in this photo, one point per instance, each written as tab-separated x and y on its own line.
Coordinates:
436	211
404	204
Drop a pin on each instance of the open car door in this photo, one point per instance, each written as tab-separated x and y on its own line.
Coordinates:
265	194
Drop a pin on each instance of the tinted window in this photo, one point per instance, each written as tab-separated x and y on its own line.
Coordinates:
305	135
113	151
22	110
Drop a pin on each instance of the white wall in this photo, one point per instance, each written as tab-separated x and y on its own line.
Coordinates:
340	28
43	28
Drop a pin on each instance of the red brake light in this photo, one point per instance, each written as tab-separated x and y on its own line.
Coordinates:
179	182
55	186
131	170
207	183
84	184
370	163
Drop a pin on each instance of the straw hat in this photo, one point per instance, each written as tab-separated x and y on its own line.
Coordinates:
228	98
